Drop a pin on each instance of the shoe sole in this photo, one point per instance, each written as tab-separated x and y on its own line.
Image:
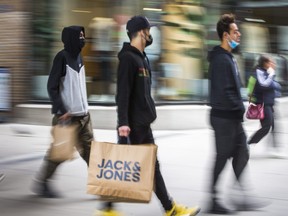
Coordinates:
220	212
196	212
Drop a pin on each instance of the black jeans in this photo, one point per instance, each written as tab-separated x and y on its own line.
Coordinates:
266	124
230	140
143	135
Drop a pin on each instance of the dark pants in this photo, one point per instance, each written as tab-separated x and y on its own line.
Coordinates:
230	140
266	124
143	135
84	136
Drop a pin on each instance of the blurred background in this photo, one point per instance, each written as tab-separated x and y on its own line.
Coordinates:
31	36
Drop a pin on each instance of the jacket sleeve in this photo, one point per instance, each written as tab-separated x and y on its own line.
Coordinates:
267	83
264	82
277	86
125	80
53	85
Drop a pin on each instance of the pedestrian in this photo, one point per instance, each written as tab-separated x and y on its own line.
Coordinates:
136	109
227	109
265	91
67	90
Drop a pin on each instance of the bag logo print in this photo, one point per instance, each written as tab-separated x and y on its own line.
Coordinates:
119	170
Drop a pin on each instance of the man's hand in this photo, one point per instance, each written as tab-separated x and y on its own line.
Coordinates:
124	131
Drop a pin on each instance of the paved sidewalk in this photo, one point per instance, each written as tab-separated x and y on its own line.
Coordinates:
185	157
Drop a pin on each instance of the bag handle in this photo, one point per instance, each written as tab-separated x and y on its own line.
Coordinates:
64	122
124	140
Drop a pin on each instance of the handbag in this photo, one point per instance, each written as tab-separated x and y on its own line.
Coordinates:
63	146
255	111
123	173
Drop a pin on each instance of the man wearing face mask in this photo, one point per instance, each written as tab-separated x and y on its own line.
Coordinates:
67	90
136	109
227	108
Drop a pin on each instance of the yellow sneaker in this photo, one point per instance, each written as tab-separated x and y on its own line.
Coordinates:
107	212
180	210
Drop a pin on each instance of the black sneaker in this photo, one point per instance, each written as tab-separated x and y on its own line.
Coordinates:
217	208
43	189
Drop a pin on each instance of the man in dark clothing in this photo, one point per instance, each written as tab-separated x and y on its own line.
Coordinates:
67	90
227	111
136	109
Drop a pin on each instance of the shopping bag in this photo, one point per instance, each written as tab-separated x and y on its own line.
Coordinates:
63	145
251	85
123	173
255	111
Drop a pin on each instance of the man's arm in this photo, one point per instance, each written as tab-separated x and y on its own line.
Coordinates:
53	85
125	80
231	88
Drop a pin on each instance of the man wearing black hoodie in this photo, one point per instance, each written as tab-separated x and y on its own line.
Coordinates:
67	90
136	109
227	111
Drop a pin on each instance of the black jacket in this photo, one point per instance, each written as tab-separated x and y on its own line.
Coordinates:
135	106
225	84
265	87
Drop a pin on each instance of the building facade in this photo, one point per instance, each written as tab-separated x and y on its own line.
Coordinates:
31	36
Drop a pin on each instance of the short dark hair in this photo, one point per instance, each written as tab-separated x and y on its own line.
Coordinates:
132	35
223	24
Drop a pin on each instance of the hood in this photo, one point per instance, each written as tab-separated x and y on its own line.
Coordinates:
127	47
71	39
216	51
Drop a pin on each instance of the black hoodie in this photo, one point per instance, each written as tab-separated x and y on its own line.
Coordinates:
70	37
135	106
68	60
225	84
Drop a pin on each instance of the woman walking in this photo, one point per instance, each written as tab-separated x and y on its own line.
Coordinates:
265	91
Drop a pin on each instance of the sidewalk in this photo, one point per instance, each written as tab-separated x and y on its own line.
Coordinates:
185	157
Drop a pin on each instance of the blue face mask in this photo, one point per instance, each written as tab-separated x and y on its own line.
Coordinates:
233	44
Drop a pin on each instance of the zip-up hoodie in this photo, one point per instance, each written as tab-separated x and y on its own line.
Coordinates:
135	106
66	83
225	96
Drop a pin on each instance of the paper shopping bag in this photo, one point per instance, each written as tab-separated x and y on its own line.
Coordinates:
123	173
63	143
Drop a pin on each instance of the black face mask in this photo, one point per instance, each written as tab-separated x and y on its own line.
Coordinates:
149	41
82	43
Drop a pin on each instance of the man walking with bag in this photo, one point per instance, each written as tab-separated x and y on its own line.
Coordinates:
67	90
136	109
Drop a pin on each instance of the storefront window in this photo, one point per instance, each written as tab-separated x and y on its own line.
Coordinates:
175	55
